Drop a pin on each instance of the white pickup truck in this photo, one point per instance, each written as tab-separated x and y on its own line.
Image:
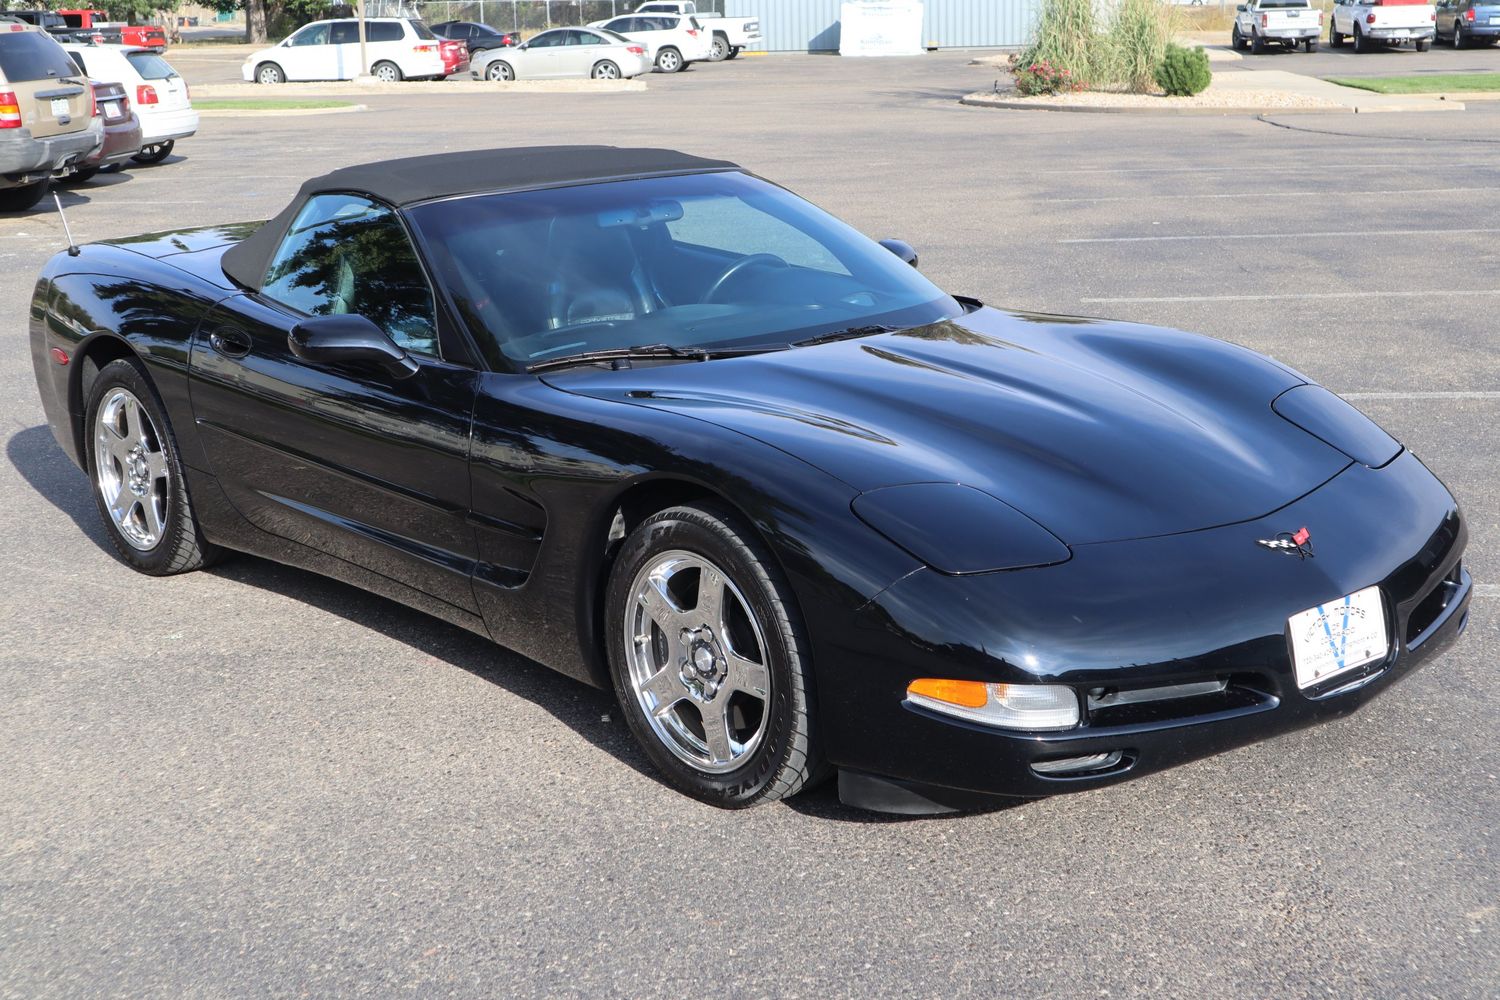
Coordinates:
729	34
1291	23
1367	22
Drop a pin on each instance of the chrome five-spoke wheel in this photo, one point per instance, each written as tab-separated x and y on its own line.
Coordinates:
131	469
697	661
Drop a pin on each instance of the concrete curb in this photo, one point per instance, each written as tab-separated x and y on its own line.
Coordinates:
425	88
277	113
986	101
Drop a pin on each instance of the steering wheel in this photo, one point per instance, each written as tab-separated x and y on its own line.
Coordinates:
769	259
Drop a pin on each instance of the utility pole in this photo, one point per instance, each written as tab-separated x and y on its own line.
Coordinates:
364	56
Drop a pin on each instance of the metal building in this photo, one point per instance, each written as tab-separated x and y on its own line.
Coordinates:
813	25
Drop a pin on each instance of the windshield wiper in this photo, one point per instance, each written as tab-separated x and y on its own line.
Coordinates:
650	352
848	333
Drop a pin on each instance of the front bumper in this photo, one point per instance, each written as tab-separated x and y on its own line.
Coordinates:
1184	609
25	159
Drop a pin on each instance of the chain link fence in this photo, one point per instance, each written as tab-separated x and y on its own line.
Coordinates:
525	16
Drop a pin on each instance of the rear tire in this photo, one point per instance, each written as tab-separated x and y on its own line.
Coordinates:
739	661
1458	35
734	51
605	69
1361	46
1311	45
269	73
155	153
141	494
720	50
386	72
19	199
669	60
1423	44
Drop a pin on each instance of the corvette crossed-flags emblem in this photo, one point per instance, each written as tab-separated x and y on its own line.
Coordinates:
1298	543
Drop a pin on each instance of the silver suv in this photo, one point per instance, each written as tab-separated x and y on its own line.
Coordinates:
47	121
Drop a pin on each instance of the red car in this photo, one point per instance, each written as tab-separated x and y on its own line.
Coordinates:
144	35
122	132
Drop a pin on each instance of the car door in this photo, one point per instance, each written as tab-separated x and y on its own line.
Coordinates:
343	40
544	56
351	460
307	55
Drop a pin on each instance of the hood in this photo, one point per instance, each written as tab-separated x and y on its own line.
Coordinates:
1099	431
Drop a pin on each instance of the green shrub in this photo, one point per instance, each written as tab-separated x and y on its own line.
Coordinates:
1137	42
1184	72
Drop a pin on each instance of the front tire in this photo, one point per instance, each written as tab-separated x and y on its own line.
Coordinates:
19	199
139	488
710	660
155	153
269	73
386	72
499	71
604	69
1236	40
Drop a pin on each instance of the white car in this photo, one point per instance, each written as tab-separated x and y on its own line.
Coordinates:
565	52
673	41
728	34
398	48
158	93
1371	22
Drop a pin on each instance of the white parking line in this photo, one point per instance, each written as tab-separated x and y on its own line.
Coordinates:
1288	296
1454	394
1282	236
1365	166
1276	194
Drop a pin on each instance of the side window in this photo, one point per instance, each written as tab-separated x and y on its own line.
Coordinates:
346	254
313	34
345	33
588	38
78	61
624	25
547	40
382	31
733	226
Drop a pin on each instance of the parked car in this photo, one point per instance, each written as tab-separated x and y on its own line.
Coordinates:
823	516
1286	23
122	132
47	121
160	94
673	41
86	23
565	52
727	35
1388	22
479	37
1465	22
398	48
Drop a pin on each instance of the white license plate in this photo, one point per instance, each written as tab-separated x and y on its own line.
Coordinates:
1341	635
1495	20
60	107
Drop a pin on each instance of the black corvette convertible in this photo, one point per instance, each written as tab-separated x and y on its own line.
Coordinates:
664	426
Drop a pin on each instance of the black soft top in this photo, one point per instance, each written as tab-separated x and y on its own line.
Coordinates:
443	175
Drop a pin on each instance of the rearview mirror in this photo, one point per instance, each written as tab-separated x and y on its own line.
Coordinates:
901	249
348	340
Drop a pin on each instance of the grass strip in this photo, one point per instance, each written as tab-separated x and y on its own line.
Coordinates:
1425	83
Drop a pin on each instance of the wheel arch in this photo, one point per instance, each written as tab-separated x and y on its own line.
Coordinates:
621	515
92	355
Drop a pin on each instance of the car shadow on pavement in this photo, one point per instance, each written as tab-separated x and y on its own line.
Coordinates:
39	461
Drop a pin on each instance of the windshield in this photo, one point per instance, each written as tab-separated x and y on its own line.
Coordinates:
150	66
718	261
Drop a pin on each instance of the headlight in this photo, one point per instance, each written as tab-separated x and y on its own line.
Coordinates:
958	529
1008	706
1336	423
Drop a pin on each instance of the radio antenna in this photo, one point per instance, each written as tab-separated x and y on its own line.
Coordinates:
72	247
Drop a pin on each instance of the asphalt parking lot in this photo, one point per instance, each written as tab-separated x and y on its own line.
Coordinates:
254	781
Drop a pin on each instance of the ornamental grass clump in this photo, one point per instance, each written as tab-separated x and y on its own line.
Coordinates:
1139	34
1066	38
1184	72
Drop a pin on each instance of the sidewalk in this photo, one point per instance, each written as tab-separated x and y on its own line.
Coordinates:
1360	101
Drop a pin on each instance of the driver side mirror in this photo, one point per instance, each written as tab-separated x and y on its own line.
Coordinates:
348	340
901	249
1242	8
